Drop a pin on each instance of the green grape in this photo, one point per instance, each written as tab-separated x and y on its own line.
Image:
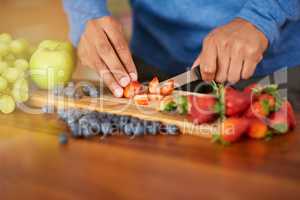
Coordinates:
3	66
3	84
5	37
7	104
10	59
21	64
11	74
4	49
20	90
19	46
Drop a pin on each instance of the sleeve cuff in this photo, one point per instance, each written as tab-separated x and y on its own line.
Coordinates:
261	18
80	12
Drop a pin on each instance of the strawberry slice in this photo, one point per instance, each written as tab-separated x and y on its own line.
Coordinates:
202	109
155	97
133	89
141	99
167	88
236	102
154	87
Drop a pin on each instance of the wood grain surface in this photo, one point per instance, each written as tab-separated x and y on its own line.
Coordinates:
33	165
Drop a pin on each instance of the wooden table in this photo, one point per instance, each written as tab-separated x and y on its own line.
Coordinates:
33	165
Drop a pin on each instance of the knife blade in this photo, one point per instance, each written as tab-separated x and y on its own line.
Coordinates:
186	77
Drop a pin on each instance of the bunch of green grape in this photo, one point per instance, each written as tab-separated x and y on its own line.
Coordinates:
14	65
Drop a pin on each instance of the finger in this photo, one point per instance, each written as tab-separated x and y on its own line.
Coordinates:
120	45
95	62
223	64
236	64
110	58
208	60
248	69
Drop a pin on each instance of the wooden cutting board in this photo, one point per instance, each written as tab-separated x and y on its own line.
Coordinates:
108	103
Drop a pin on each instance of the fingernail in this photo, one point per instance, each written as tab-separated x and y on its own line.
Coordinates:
124	81
118	92
133	76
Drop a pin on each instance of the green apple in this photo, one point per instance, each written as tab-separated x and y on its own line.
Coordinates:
52	64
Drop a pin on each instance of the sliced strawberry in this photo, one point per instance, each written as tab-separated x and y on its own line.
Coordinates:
155	97
154	87
133	89
141	99
167	88
257	129
236	102
202	109
232	130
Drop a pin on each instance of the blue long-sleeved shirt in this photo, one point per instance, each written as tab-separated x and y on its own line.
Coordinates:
169	33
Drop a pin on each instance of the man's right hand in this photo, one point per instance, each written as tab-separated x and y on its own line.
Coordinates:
104	48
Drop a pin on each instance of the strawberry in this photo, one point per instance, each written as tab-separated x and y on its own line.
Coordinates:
259	109
167	88
269	100
232	130
291	115
141	99
249	88
132	89
283	119
202	109
257	129
236	102
154	87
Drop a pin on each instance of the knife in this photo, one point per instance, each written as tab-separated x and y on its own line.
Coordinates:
186	77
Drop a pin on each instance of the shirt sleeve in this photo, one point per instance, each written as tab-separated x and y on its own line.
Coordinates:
81	11
269	16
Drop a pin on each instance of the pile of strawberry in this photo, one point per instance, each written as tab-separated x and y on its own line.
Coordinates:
257	111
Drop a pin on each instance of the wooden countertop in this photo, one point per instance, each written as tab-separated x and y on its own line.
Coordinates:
33	165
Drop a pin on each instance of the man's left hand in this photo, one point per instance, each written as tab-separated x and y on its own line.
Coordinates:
232	52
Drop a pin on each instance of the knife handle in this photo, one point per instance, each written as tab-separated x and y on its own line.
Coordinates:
197	72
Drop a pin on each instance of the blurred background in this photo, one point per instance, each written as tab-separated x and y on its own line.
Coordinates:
37	20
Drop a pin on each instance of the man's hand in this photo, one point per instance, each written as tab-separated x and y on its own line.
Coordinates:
104	48
232	52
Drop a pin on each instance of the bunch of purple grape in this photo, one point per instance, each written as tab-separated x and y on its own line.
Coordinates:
86	123
77	91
